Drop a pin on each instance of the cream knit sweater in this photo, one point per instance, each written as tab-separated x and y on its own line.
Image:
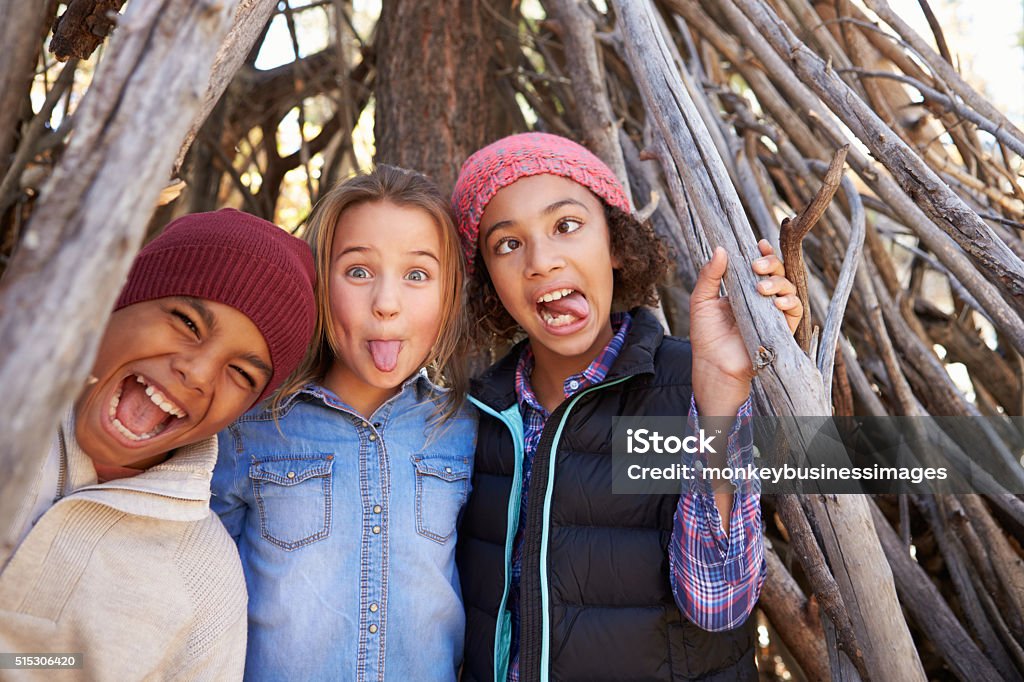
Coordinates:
136	575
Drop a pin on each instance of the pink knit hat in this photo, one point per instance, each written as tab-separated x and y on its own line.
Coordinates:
239	260
501	163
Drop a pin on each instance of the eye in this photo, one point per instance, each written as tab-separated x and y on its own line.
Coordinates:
418	276
507	245
187	321
567	225
358	272
245	376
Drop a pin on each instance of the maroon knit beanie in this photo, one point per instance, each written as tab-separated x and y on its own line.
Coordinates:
501	163
239	260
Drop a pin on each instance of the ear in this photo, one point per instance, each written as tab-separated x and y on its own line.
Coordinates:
616	261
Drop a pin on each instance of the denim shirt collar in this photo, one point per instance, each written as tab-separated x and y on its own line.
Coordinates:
418	385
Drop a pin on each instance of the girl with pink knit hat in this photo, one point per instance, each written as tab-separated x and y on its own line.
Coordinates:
562	579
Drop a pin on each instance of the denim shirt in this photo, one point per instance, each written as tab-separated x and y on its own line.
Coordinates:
347	533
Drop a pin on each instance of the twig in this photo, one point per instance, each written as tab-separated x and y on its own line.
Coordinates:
845	281
793	232
949	104
35	130
933	23
824	585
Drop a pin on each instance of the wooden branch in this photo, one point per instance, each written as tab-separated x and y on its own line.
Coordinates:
788	378
822	583
26	149
83	27
792	234
945	103
844	282
1003	313
1003	316
793	617
937	200
1008	567
87	226
22	29
693	158
589	85
249	19
945	71
930	611
955	559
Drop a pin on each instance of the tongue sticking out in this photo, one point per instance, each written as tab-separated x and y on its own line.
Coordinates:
385	354
136	411
574	304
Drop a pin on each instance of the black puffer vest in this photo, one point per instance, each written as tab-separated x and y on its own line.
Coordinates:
597	603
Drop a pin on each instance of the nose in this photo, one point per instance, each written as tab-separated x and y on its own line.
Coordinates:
543	258
386	299
197	371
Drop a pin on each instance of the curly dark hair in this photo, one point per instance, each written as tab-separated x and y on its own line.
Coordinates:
644	262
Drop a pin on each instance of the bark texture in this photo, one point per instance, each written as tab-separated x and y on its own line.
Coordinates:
438	99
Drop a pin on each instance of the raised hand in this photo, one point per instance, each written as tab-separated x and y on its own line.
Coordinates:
721	366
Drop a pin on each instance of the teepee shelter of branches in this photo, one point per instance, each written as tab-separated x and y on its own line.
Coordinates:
892	187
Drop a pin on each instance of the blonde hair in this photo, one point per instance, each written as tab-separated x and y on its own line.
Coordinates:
446	361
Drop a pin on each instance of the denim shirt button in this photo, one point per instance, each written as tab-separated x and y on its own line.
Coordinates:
373	608
364	424
373	629
376	509
376	425
291	474
447	470
372	437
376	530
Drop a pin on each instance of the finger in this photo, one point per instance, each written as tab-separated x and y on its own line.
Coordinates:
709	279
776	285
793	309
769	265
765	247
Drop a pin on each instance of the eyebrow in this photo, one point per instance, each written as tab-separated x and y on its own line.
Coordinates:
208	318
428	254
546	211
353	249
366	249
210	322
258	363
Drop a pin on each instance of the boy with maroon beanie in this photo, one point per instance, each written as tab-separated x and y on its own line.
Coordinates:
120	559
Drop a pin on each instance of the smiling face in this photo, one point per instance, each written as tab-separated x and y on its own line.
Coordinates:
545	243
171	371
385	300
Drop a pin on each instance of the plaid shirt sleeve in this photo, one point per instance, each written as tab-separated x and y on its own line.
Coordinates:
717	578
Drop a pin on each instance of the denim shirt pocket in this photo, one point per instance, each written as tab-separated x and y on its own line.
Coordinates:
293	495
442	486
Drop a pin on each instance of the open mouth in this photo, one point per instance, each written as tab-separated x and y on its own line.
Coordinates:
139	411
562	307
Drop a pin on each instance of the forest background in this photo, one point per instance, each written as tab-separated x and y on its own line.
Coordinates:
728	120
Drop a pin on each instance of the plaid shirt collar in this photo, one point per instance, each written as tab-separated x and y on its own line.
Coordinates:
595	372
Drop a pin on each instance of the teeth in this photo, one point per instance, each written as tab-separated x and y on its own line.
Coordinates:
114	402
554	295
131	435
161	401
559	320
